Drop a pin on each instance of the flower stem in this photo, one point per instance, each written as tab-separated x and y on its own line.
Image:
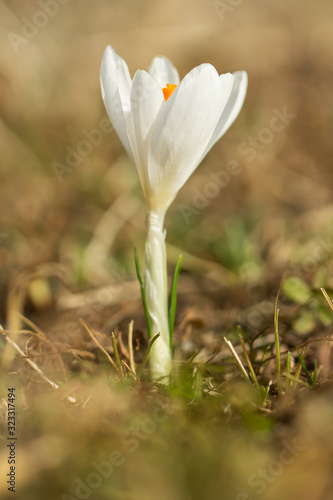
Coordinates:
155	281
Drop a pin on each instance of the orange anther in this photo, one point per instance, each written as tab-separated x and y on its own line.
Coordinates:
167	91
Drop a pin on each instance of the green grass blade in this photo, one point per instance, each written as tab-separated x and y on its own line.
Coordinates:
145	359
249	364
197	383
173	299
305	370
330	303
277	351
314	374
296	378
143	291
194	355
276	332
288	370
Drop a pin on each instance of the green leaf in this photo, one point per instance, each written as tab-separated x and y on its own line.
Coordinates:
296	290
324	315
305	323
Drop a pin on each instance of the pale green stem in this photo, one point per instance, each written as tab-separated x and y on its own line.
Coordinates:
156	289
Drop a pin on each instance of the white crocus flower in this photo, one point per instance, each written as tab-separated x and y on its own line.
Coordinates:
166	127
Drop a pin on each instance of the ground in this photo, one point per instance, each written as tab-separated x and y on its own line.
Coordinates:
253	222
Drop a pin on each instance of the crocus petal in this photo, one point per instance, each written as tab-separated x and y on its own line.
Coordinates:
146	100
232	107
163	71
116	85
183	129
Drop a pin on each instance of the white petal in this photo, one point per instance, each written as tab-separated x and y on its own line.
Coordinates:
146	100
163	71
116	85
232	108
182	131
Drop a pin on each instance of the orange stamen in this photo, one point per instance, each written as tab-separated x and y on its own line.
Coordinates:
167	91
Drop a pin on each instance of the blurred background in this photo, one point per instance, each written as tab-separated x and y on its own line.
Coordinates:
58	210
71	209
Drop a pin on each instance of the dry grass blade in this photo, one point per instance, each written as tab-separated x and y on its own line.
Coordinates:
123	349
129	369
300	346
42	337
88	329
330	303
33	326
15	303
249	364
116	354
130	347
237	359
